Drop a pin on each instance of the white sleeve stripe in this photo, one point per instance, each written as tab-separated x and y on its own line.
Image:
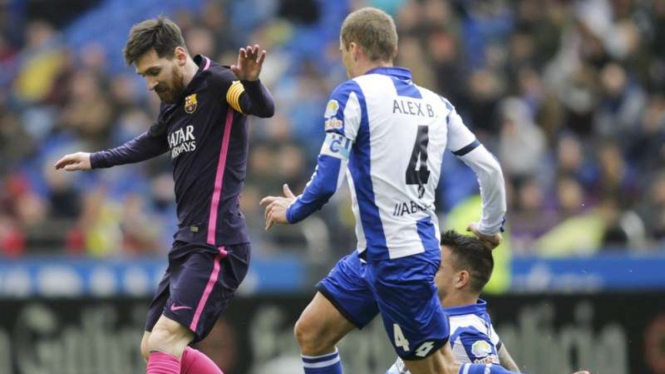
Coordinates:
342	173
352	116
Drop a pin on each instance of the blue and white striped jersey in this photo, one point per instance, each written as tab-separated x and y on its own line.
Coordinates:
387	136
472	337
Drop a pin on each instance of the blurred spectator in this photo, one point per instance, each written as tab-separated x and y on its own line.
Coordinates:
522	142
653	208
621	105
87	111
616	178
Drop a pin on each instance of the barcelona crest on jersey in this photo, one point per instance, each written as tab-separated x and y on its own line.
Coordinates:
190	103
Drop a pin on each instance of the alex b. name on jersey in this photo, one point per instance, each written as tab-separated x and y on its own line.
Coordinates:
414	108
181	141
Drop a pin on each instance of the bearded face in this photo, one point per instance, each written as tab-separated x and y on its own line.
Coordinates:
162	75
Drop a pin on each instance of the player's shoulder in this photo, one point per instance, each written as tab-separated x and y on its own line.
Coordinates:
362	87
426	93
434	97
345	89
217	74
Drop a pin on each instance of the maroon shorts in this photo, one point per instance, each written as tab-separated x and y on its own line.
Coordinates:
198	285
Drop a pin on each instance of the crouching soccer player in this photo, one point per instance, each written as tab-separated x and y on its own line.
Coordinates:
466	267
203	125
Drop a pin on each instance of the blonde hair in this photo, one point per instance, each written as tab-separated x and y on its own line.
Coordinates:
374	30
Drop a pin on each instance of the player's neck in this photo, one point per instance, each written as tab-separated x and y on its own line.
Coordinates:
369	65
189	71
459	299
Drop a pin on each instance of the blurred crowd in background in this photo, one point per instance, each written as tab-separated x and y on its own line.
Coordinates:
570	96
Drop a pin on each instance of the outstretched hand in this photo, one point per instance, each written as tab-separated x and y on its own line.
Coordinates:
74	162
276	207
250	62
492	241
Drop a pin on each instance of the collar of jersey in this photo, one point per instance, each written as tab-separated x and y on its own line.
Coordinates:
393	71
199	60
477	308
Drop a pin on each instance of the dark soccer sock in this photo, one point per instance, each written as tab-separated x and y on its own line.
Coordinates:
195	362
324	364
483	369
162	363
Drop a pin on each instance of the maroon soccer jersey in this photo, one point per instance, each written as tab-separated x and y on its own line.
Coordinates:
207	142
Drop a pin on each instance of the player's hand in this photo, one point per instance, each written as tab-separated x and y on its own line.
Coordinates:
582	372
75	161
250	62
276	207
492	241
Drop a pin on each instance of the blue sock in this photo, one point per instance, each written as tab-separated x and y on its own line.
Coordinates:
483	369
324	364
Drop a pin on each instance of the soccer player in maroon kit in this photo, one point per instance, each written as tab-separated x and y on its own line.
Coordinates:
203	125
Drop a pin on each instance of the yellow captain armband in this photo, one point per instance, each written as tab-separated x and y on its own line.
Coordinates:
233	95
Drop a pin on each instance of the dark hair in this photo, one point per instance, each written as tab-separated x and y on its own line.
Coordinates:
161	33
374	30
472	255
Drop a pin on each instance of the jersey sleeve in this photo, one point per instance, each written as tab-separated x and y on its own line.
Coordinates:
327	177
245	97
342	119
461	140
494	338
478	347
463	144
343	112
150	144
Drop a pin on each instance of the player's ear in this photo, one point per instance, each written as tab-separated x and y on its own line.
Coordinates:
462	278
180	56
354	49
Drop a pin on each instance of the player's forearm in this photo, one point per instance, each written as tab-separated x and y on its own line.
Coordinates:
327	176
492	188
141	148
257	100
506	360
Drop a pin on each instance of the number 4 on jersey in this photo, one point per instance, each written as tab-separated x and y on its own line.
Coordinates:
417	171
400	340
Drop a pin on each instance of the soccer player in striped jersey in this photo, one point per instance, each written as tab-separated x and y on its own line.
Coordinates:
388	136
466	266
202	124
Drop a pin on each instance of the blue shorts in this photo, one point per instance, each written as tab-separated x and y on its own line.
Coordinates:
198	285
403	291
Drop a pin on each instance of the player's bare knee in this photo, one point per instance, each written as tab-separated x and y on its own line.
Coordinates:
169	337
303	331
311	337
